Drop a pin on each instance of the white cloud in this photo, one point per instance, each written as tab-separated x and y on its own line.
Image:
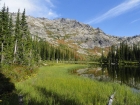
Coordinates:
116	11
50	3
135	20
37	8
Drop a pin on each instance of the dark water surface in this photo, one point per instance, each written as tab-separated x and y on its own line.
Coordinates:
129	75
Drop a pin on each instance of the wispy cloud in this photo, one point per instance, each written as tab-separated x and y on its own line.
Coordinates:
50	3
135	20
37	8
116	11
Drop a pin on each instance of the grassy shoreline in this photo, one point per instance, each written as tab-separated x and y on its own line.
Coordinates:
54	85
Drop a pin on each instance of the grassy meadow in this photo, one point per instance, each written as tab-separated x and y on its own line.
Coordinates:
55	85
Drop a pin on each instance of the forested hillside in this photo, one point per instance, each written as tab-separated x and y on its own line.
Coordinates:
21	53
18	46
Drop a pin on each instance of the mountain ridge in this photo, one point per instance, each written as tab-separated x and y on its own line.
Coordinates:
74	33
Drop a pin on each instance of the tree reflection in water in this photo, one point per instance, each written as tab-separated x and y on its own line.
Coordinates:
129	75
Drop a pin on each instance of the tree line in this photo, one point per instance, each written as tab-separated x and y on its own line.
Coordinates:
124	52
18	46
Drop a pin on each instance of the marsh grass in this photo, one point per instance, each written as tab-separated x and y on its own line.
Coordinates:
18	73
54	85
9	75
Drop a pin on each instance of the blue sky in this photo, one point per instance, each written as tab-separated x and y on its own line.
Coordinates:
114	17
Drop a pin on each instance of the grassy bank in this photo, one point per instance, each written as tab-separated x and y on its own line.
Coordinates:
9	76
54	85
17	73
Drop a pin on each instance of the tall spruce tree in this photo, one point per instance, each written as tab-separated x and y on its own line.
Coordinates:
26	41
9	41
4	30
17	38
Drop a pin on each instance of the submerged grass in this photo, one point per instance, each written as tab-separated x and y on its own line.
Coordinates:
54	85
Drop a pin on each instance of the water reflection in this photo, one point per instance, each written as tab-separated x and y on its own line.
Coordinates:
129	75
124	74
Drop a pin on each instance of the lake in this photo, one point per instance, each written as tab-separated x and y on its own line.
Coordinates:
129	75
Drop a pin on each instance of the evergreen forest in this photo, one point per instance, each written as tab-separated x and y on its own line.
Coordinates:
124	53
18	46
23	52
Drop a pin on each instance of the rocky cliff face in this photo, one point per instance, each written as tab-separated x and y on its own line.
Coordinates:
77	34
70	30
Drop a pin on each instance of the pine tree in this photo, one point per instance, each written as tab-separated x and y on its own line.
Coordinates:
2	17
4	30
36	49
9	42
26	40
17	38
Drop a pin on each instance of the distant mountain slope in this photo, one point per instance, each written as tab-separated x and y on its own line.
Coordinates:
74	33
70	30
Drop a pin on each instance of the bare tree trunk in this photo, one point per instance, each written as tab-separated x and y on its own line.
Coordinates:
2	56
15	51
30	58
111	99
56	60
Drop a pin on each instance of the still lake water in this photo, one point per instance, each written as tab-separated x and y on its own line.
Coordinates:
129	75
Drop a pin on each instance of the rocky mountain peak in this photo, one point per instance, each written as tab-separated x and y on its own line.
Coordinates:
73	33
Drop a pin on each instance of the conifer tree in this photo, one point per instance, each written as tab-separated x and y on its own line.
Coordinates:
36	49
4	30
2	34
17	38
9	41
26	40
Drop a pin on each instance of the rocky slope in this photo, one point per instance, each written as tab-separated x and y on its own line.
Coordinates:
70	30
74	33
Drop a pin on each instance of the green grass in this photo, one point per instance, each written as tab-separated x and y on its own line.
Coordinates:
18	73
9	75
55	85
